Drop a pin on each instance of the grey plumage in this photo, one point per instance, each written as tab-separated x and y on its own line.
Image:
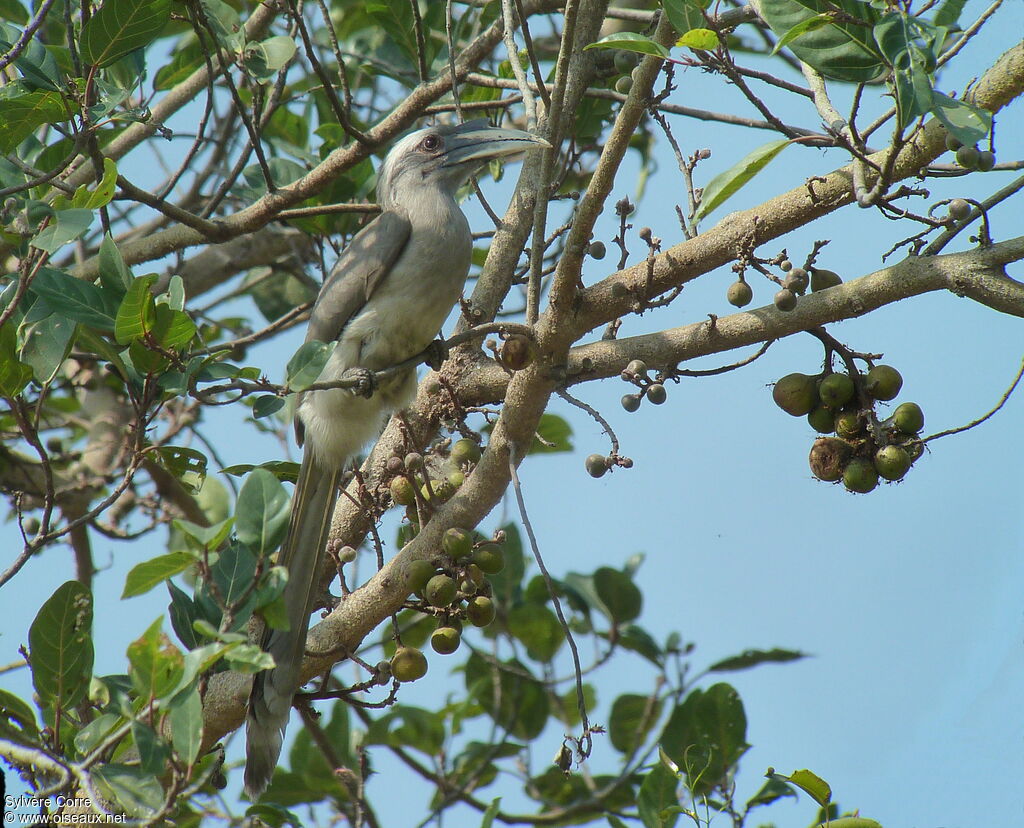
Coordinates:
384	301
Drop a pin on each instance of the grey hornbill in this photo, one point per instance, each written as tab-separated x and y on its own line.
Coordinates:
384	302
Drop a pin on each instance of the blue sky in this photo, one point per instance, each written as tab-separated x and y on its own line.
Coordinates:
909	598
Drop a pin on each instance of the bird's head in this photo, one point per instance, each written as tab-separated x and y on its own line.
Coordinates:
445	156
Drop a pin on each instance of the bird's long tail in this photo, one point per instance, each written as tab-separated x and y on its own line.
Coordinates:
272	690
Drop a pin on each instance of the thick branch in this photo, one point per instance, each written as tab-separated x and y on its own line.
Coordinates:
685	262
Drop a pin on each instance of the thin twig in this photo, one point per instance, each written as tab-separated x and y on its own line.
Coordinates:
980	420
586	740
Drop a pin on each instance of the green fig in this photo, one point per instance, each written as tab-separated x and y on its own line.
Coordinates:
908	418
860	475
480	611
836	390
883	382
796	394
440	591
408	664
739	294
465	451
417	574
892	462
445	640
457	543
489	557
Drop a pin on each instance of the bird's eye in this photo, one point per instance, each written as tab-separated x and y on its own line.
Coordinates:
431	143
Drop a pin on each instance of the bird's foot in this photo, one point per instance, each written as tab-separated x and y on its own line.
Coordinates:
364	382
435	354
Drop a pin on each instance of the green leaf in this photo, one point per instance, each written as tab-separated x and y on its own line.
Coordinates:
706	735
685	15
751	658
845	51
507	584
206	537
16	718
630	42
35	62
657	794
182	64
538	628
555	435
14	374
725	184
65	226
705	39
248	658
153	751
491	813
614	821
232	574
287	471
183	611
276	292
261	514
850	822
143	577
637	639
93	199
90	736
569	710
139	793
969	123
395	18
186	726
406	726
172	329
805	26
265	405
618	593
817	788
175	295
60	645
914	95
13	10
136	314
283	171
77	299
114	274
47	343
120	27
949	13
199	660
309	762
225	23
268	598
21	115
304	367
155	664
266	58
772	790
631	719
515	701
188	465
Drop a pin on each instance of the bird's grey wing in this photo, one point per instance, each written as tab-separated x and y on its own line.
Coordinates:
360	269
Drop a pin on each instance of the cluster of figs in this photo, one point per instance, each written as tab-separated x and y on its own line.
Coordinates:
452	584
861	449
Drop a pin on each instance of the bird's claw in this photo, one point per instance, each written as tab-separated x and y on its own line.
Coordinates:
435	354
364	382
